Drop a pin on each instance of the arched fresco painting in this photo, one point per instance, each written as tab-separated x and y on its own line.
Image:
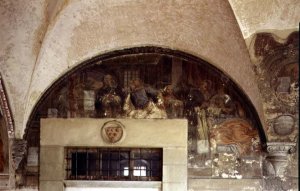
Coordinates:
224	138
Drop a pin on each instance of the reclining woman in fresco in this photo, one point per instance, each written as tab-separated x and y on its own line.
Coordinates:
228	126
144	102
213	110
109	98
238	133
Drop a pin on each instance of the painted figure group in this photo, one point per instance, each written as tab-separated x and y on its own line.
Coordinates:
202	106
140	102
144	101
205	106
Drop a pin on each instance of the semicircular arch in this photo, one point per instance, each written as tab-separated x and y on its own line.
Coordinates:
192	70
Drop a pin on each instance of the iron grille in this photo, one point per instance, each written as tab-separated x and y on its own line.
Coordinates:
132	164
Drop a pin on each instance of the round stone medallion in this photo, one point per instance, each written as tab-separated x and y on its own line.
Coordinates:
284	125
113	131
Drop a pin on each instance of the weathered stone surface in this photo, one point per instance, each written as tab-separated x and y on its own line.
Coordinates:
278	184
278	156
225	184
51	186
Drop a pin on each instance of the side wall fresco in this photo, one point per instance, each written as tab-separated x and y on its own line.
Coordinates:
277	68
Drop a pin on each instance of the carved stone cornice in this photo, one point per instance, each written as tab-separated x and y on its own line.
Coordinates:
281	148
6	112
278	156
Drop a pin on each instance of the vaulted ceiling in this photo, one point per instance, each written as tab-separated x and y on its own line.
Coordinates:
42	39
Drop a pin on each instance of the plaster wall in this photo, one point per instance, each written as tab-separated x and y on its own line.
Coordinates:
84	29
267	16
170	135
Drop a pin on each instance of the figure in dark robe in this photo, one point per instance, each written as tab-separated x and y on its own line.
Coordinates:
174	106
109	98
144	102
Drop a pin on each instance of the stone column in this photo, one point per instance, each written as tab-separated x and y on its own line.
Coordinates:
278	155
19	150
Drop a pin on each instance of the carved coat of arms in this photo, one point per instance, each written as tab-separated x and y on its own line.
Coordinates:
113	131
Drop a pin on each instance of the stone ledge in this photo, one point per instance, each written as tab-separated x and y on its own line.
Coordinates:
225	184
113	184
